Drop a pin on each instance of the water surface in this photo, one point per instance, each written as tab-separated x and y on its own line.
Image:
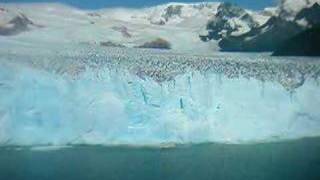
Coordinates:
294	160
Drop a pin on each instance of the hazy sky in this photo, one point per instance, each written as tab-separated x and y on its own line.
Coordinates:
94	4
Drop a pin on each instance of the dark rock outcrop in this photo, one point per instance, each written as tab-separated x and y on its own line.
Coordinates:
172	10
169	12
220	26
111	44
311	15
18	24
230	10
123	30
158	43
274	33
264	38
303	44
94	14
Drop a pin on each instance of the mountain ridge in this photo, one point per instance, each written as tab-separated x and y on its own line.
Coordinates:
204	27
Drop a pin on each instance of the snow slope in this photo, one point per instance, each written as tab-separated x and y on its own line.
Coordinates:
179	23
65	24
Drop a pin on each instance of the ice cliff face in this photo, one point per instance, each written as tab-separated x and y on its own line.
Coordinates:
149	98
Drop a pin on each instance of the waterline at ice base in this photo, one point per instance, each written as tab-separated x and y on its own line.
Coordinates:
151	98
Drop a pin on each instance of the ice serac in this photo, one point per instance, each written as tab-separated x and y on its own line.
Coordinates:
89	101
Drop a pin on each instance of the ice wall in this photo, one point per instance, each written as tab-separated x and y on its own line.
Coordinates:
110	107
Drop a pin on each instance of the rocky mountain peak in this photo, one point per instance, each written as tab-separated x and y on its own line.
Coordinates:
309	16
177	12
229	20
172	10
288	9
229	10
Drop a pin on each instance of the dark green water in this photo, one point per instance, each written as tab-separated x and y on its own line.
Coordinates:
294	160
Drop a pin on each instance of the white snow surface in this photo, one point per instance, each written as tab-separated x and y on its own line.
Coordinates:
64	24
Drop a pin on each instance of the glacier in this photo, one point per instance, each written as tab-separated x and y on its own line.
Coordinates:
179	23
116	98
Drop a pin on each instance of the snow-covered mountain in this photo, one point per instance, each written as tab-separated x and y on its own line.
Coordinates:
288	9
283	25
178	23
306	42
233	20
309	16
175	13
263	38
